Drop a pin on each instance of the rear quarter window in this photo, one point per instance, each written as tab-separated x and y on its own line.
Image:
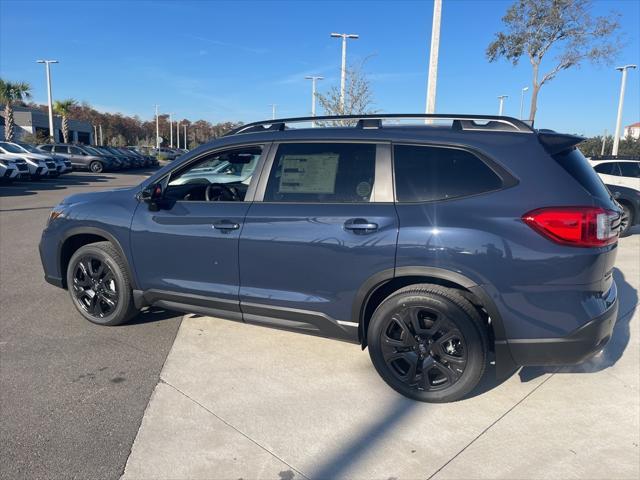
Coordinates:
425	173
578	167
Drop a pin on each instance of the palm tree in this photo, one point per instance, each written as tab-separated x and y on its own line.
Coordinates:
62	107
9	94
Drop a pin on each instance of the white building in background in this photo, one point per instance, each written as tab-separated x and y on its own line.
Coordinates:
632	130
29	120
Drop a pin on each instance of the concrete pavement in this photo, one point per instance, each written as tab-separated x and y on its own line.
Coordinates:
241	401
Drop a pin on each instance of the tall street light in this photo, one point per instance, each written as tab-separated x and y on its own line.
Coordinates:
616	137
501	108
314	79
343	72
47	63
433	58
273	110
171	130
186	144
177	134
157	129
524	89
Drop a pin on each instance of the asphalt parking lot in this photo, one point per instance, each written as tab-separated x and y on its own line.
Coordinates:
72	394
239	401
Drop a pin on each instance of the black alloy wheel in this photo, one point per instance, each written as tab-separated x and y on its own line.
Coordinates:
423	348
626	220
99	284
94	286
429	343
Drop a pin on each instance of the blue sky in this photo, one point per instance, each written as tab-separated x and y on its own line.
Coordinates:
229	60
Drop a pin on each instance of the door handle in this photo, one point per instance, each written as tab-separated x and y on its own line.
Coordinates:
360	225
226	225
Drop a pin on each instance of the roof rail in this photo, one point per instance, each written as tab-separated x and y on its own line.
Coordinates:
373	121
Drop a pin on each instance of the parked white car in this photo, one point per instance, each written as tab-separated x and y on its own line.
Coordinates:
8	170
37	168
62	164
621	172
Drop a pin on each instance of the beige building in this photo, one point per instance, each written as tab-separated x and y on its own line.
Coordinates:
632	130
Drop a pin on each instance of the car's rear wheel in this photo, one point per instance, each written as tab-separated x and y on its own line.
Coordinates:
99	284
626	221
96	167
428	343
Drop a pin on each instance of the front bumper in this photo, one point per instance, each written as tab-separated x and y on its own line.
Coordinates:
571	349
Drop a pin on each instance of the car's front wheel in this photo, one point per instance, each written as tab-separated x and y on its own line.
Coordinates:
428	343
99	284
96	167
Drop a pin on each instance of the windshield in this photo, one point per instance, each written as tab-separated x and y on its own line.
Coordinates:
11	148
28	148
91	150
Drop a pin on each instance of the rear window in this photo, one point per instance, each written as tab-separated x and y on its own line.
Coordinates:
425	174
578	167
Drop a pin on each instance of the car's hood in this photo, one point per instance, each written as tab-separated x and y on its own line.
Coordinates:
39	156
98	196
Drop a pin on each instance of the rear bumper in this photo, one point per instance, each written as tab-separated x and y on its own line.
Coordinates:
574	348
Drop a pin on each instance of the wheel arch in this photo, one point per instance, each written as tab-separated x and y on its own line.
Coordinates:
78	237
382	284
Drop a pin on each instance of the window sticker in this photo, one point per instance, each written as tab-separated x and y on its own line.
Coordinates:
363	189
314	173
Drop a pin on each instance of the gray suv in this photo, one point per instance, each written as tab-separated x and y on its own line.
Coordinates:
432	245
81	158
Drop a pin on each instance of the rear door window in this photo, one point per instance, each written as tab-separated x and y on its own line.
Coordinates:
61	149
322	173
425	173
630	169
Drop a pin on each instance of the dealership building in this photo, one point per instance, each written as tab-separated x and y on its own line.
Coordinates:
29	120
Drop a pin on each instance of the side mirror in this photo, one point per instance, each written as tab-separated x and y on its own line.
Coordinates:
151	193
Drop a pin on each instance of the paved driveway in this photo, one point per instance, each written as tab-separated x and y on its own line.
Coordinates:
240	401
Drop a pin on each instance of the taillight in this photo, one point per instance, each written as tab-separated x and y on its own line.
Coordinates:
575	226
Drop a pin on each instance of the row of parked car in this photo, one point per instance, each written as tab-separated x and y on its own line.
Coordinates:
23	161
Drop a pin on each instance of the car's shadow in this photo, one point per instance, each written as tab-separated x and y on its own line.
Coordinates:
73	179
613	351
153	314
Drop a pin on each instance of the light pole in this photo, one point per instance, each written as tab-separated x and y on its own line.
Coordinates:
186	144
343	71
157	129
524	89
604	142
314	79
273	110
170	130
177	134
501	108
46	64
616	137
433	58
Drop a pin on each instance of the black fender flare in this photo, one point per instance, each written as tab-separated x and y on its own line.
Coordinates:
99	232
375	281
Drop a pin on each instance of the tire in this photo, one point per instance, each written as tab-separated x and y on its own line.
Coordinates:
96	167
450	357
91	294
626	221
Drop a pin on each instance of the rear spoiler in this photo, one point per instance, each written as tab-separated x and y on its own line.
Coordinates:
558	142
